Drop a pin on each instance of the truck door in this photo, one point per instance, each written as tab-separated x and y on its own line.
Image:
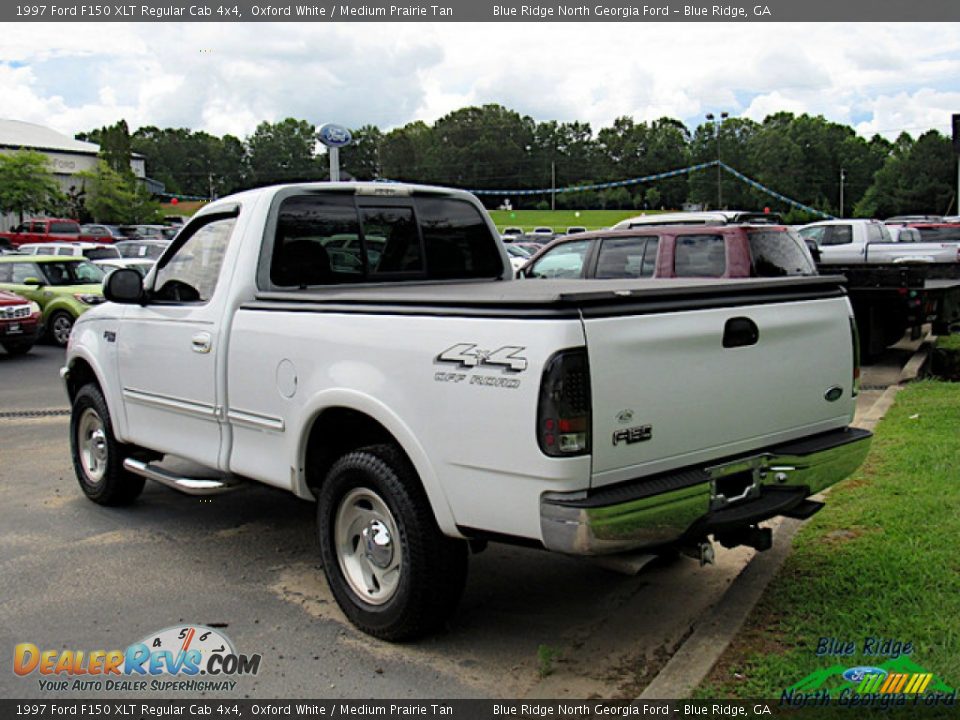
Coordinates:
837	246
168	348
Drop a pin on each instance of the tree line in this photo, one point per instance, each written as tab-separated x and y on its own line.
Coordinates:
492	147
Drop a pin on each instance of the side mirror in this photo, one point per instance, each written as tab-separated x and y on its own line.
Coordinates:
35	282
125	286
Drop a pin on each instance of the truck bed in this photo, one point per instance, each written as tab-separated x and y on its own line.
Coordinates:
560	298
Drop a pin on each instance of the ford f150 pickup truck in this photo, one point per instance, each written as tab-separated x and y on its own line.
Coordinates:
852	242
46	230
364	346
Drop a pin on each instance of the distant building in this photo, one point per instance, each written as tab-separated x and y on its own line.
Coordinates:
67	156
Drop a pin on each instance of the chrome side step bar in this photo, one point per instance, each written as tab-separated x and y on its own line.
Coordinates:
190	486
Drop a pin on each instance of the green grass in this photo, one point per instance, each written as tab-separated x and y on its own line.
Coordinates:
950	343
560	220
881	559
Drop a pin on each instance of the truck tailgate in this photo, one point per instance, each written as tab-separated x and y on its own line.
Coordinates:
667	393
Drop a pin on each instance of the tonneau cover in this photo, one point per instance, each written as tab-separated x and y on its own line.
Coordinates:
554	293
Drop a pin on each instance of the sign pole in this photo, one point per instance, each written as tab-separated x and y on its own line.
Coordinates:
334	137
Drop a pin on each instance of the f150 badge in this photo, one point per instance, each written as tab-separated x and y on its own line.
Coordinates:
469	356
632	435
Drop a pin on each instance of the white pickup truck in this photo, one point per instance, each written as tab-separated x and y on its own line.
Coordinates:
364	346
851	242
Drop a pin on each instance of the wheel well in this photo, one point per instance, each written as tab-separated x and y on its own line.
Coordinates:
81	373
335	432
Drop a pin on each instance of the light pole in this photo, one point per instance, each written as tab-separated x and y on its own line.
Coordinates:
717	124
843	176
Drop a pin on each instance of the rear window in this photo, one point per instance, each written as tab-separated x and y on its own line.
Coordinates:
633	257
699	256
944	233
64	228
324	239
775	253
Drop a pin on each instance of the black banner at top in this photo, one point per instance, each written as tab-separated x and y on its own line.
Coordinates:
653	11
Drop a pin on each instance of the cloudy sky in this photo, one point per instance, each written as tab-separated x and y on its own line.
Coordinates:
226	78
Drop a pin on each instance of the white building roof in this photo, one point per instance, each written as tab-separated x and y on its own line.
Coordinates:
17	134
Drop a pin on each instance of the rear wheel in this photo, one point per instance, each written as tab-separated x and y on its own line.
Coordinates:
393	572
97	456
61	323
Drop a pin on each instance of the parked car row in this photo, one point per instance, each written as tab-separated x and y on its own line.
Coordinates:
47	293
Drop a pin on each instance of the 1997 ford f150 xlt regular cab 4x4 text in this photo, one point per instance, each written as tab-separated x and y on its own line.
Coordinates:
363	345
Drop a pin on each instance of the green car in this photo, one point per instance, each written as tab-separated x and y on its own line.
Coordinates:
64	287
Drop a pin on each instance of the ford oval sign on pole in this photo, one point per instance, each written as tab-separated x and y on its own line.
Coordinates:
334	137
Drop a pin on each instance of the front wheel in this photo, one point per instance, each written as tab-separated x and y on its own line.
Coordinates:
61	323
97	455
390	568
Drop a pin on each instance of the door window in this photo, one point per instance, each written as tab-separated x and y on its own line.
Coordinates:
699	256
630	257
191	273
563	261
837	235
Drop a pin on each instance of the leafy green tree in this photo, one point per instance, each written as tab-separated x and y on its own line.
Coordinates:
403	153
917	177
283	152
361	158
116	198
26	184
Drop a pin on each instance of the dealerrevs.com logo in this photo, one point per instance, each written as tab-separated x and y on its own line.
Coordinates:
179	658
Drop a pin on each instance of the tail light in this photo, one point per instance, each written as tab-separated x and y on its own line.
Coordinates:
855	339
563	409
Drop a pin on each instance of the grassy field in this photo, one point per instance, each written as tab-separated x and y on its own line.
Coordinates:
560	220
879	561
184	207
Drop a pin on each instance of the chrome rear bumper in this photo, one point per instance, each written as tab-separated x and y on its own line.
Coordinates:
663	509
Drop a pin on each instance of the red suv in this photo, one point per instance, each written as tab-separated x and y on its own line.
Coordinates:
20	323
675	251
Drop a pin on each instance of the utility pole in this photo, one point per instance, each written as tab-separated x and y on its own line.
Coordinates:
553	185
843	176
717	124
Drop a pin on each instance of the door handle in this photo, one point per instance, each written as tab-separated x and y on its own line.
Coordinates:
201	342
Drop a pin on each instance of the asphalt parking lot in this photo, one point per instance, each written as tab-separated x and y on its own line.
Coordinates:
81	576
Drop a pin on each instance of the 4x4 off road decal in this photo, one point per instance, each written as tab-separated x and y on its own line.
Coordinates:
469	356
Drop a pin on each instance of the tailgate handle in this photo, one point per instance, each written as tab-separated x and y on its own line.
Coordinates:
740	332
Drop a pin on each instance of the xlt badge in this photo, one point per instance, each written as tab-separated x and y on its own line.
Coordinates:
631	435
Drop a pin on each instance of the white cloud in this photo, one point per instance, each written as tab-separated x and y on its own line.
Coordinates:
223	77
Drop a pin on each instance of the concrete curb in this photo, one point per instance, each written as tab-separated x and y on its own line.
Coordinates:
696	657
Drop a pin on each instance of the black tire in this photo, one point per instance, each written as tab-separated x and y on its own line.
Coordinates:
17	348
431	568
97	455
61	323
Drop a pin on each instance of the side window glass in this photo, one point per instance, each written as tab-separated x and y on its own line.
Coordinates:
699	256
837	235
873	233
22	271
563	261
632	257
191	274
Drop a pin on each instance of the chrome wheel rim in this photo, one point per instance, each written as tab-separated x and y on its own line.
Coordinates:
92	446
62	325
367	546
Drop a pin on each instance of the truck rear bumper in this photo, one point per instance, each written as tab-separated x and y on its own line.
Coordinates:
665	509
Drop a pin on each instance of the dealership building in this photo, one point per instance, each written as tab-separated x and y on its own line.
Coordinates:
67	156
